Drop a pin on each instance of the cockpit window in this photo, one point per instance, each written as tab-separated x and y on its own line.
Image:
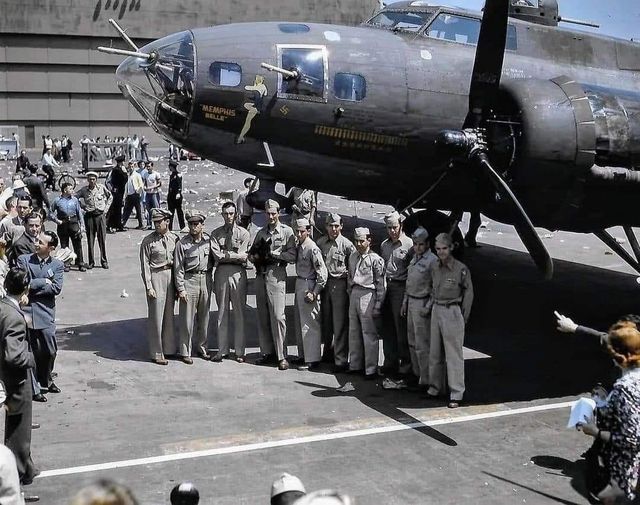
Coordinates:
225	74
464	30
310	64
410	21
525	3
352	87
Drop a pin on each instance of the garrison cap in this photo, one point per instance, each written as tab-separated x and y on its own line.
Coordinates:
333	218
196	216
286	482
325	497
393	219
158	214
444	238
120	159
420	235
91	173
271	204
361	233
302	224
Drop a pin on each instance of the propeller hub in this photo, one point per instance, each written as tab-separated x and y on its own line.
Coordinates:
465	143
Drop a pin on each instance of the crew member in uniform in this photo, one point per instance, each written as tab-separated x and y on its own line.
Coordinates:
95	201
229	247
304	204
156	264
414	306
396	252
192	267
334	314
174	195
367	292
311	275
452	296
271	279
243	209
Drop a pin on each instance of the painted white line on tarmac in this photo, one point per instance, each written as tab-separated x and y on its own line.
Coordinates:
298	441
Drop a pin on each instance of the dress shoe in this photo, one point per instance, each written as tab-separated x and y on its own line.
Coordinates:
105	266
187	360
240	359
140	227
266	359
35	426
28	479
39	398
217	358
299	360
205	356
53	388
160	361
90	266
120	229
283	365
82	268
454	404
30	498
311	367
340	368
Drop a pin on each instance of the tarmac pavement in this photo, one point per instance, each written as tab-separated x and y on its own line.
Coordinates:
232	428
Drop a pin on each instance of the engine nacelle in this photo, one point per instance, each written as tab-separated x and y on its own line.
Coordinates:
573	124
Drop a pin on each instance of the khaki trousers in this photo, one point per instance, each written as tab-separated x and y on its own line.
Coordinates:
334	314
195	312
445	353
307	321
418	336
230	285
270	299
363	335
160	332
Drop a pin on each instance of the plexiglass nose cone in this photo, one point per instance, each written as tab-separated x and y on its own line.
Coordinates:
160	87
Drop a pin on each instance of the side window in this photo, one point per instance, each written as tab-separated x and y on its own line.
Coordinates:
225	74
310	62
351	87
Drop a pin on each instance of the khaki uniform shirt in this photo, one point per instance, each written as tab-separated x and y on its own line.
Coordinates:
310	265
367	271
156	252
336	255
229	245
397	256
191	257
451	283
96	199
419	275
283	242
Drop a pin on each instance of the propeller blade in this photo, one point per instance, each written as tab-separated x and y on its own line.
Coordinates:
487	67
523	224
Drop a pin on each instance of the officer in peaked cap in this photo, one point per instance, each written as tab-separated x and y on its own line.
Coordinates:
156	263
192	268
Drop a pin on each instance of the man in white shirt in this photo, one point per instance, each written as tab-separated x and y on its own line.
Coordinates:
133	196
48	164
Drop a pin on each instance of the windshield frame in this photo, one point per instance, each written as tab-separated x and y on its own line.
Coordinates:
430	13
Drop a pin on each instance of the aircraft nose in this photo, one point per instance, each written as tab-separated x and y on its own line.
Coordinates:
159	83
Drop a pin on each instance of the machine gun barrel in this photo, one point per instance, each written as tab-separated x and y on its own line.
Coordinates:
289	74
122	33
578	22
124	52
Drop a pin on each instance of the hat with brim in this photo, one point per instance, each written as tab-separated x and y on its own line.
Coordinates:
196	217
159	214
91	174
286	483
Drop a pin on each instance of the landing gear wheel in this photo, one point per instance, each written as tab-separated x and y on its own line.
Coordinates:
436	222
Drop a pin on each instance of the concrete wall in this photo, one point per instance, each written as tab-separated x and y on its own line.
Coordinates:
53	79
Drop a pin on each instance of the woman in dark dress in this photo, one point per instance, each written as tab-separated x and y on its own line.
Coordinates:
618	425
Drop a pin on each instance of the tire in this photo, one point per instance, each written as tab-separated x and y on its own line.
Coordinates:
64	178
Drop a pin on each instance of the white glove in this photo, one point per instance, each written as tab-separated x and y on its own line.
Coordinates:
565	325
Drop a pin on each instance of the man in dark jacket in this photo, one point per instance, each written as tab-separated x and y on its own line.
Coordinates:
16	362
45	283
26	243
22	162
36	189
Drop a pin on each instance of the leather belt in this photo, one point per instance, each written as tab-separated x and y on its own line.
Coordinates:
160	269
446	304
418	297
